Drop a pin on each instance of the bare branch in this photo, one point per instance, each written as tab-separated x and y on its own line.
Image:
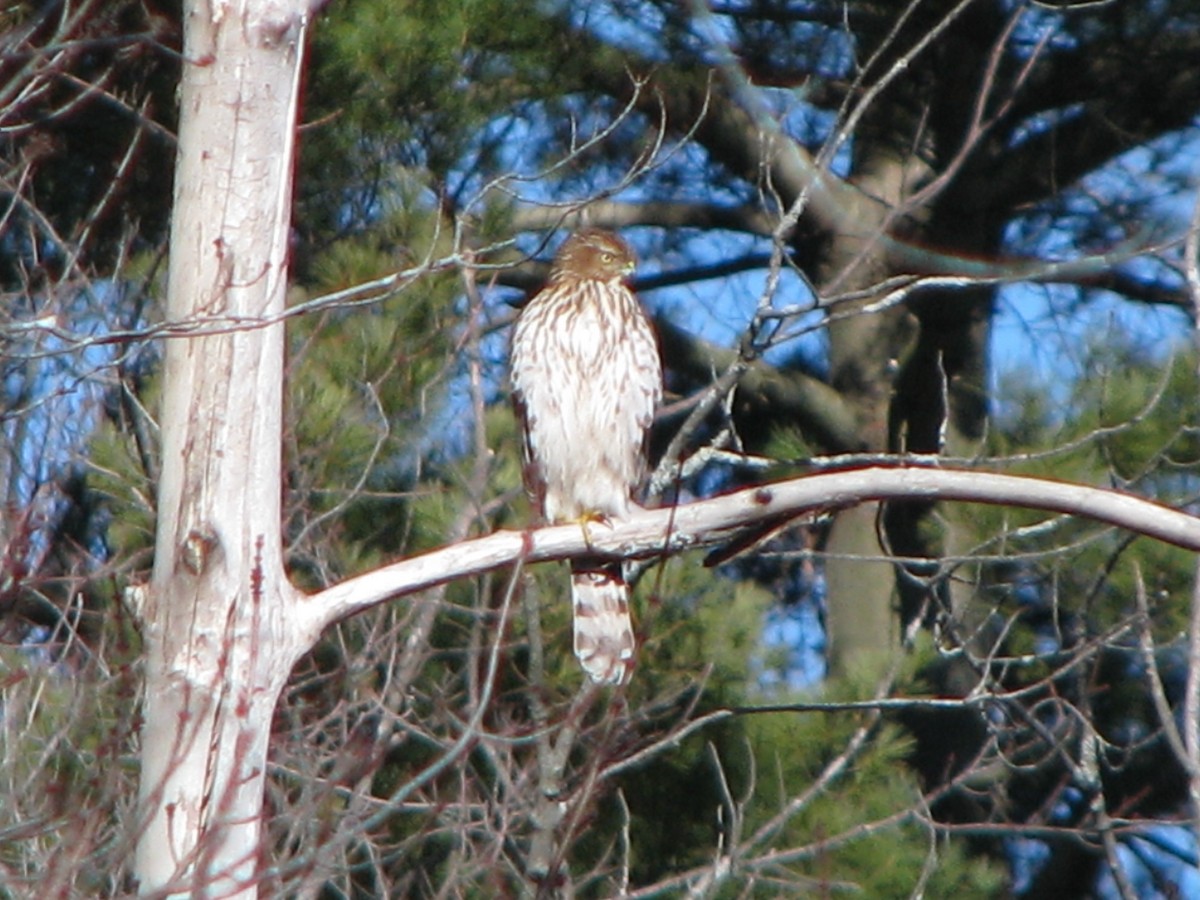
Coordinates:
613	214
706	522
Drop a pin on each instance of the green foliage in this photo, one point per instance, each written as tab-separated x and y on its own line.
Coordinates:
402	94
840	819
1120	426
67	769
128	492
787	443
362	386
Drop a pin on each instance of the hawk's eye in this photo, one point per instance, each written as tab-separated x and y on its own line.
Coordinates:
607	256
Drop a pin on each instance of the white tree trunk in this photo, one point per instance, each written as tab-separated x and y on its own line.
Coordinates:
218	642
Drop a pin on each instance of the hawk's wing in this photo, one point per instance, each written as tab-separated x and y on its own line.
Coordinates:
535	484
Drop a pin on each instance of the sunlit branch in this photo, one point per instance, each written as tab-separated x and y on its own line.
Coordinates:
651	532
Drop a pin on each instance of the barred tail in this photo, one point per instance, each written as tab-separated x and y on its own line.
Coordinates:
603	632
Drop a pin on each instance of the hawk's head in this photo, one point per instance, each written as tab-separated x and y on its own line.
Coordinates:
593	253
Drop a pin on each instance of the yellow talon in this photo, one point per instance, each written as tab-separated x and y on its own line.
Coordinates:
591	516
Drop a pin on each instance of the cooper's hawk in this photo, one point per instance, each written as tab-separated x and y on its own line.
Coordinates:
586	377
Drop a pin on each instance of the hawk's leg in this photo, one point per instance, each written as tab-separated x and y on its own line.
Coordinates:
592	517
